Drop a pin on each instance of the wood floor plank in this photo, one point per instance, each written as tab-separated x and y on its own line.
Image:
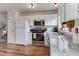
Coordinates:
20	50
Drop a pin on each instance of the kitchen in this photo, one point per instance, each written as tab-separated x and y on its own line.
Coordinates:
44	27
29	28
36	27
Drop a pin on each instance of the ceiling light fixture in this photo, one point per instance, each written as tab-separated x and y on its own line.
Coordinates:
55	4
31	5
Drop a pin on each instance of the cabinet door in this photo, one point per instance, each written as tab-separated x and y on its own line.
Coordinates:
20	36
39	17
48	22
20	32
51	20
28	33
31	22
29	38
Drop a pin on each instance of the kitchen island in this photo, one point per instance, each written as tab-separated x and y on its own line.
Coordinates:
61	45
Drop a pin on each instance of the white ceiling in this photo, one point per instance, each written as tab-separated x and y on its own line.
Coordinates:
23	7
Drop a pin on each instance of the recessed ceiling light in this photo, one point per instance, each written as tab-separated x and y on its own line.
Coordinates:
31	5
55	4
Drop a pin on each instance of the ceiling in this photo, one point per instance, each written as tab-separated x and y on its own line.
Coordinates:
23	7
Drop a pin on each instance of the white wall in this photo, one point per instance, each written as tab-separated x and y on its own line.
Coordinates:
3	18
76	35
12	16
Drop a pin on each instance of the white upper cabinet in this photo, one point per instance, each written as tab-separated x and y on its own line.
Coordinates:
36	17
71	11
68	11
50	20
61	12
39	17
78	9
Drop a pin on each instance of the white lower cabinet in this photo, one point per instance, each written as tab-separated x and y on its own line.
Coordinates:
20	36
28	38
46	39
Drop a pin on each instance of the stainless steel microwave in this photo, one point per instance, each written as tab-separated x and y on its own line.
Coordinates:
39	23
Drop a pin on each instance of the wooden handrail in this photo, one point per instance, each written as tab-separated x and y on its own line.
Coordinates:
3	27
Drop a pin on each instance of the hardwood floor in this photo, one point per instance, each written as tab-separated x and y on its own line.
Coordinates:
20	50
38	43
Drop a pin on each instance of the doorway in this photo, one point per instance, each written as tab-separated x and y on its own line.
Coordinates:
3	34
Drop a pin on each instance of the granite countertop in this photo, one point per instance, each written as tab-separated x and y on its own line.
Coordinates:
52	34
56	35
